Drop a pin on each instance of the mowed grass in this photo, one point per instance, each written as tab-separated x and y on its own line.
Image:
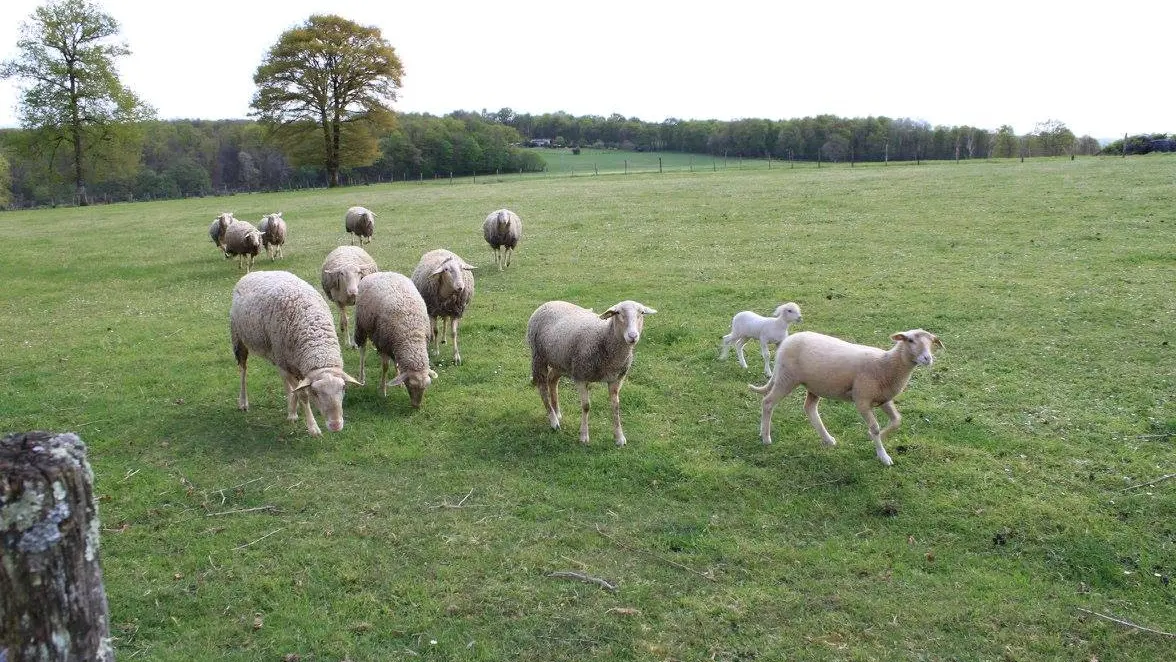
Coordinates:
432	533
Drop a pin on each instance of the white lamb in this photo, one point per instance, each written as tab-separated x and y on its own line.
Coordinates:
281	317
767	330
566	339
342	270
832	368
390	312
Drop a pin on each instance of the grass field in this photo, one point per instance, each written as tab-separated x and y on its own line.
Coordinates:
612	161
432	533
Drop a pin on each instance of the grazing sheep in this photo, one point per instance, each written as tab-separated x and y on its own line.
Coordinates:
243	241
567	339
216	231
281	317
446	284
832	368
361	222
502	230
747	325
390	311
342	270
273	234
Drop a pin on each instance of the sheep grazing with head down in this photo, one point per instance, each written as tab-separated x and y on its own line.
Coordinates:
342	270
502	230
773	330
242	240
446	284
566	339
281	317
216	231
273	234
832	368
391	313
361	222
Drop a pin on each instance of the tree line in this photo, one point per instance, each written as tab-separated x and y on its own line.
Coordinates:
322	116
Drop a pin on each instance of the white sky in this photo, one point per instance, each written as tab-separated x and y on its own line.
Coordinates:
1102	68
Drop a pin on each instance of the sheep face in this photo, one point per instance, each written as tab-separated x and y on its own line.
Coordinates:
415	383
347	285
917	344
628	320
325	390
450	273
790	312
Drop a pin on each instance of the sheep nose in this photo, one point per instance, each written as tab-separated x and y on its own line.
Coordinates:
631	337
335	426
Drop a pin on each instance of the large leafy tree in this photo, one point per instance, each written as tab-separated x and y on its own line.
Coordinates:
74	97
326	89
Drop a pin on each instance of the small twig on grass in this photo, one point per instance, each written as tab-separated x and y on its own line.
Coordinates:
129	475
618	543
1150	482
820	484
1127	623
459	504
587	579
258	540
242	510
226	489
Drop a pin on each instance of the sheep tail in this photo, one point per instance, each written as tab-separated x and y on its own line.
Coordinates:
763	389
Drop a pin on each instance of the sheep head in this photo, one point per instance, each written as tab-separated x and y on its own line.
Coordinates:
917	344
450	273
326	392
416	382
628	319
790	312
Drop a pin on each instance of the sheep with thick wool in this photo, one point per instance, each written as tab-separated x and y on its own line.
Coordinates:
829	367
502	230
747	325
282	318
566	339
242	239
216	231
446	284
361	222
390	312
341	272
273	234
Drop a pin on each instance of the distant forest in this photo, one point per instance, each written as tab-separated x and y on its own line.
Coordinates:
185	158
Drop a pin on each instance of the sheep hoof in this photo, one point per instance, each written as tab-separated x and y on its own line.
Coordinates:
767	441
829	442
243	406
315	431
621	441
886	459
457	359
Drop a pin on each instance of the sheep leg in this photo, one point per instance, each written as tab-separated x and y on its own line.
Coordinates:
383	375
725	346
312	426
614	399
456	352
243	395
739	352
810	407
291	397
362	363
554	414
777	390
766	353
585	405
508	252
895	421
865	408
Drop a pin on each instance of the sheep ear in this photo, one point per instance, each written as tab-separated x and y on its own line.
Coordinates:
432	374
898	336
399	379
611	312
351	380
936	341
646	310
468	267
302	384
438	270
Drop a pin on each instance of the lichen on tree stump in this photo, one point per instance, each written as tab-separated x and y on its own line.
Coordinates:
52	601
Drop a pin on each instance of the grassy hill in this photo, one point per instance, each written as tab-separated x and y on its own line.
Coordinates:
433	533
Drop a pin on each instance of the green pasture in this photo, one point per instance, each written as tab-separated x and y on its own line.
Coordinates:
613	161
1016	504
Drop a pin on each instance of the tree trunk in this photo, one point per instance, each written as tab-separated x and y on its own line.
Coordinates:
52	601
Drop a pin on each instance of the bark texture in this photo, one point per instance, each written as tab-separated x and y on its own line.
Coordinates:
52	601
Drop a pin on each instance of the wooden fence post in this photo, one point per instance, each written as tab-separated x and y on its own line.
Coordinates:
52	600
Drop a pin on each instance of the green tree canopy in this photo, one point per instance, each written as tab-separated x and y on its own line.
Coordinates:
74	97
332	78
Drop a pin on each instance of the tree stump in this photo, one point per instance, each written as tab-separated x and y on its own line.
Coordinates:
52	602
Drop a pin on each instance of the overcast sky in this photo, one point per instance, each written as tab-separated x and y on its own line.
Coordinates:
1102	68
